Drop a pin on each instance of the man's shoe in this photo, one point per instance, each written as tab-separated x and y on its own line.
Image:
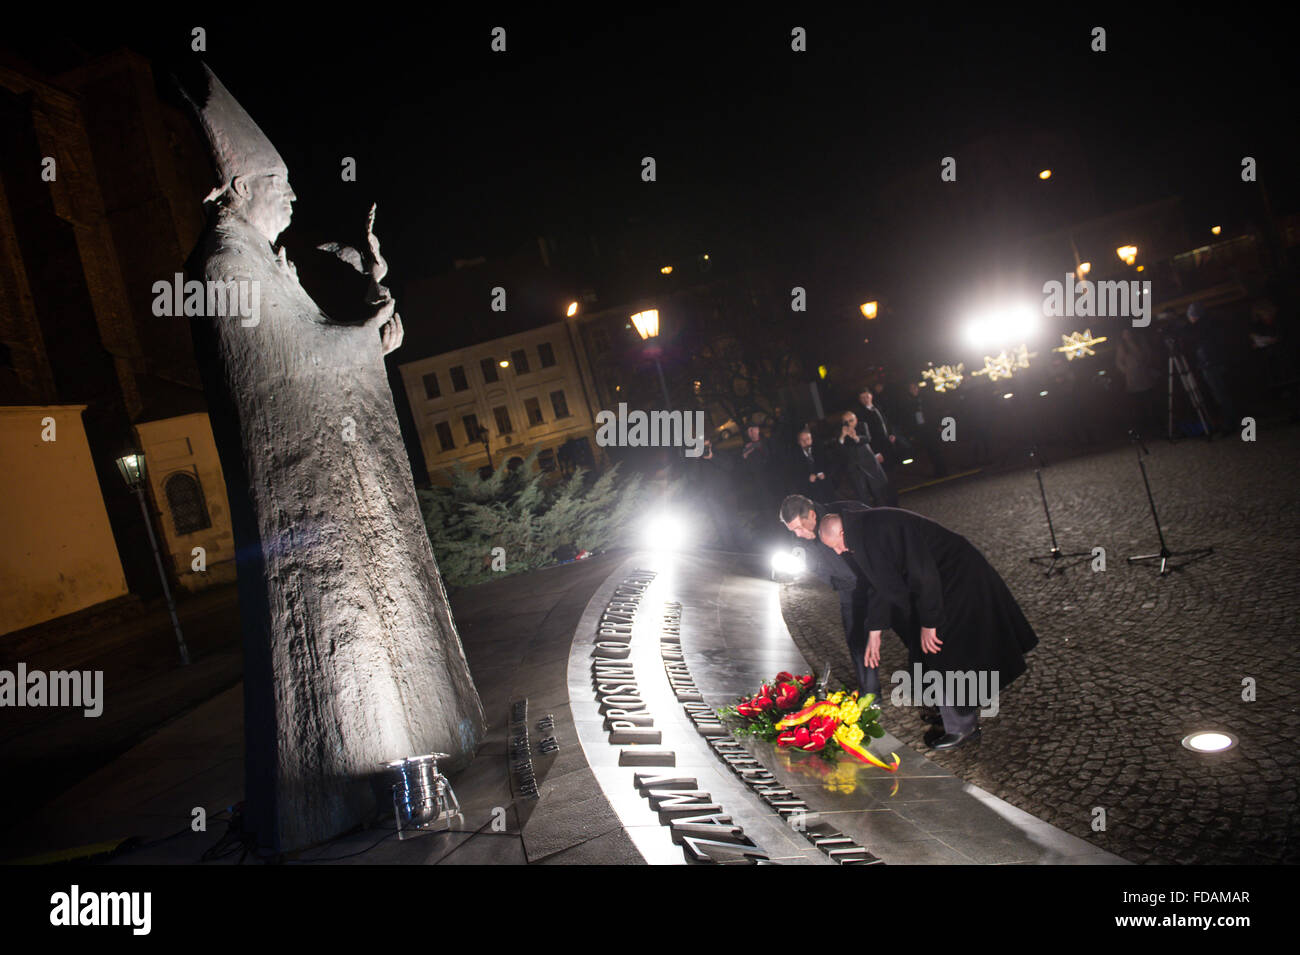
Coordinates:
931	715
952	740
933	735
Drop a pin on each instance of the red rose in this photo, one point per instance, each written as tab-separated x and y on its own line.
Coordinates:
766	691
784	677
801	736
806	679
746	710
764	703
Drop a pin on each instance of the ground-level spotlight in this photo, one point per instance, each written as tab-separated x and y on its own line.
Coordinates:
788	564
665	531
1211	741
1009	394
1042	394
907	460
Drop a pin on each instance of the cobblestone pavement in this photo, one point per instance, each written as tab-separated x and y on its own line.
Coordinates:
1128	662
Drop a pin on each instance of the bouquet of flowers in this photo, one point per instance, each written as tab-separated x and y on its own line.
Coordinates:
840	722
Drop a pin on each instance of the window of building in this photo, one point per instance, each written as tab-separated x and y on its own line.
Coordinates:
600	340
471	427
503	419
546	460
444	436
431	389
185	501
559	405
489	366
520	359
533	408
458	382
546	354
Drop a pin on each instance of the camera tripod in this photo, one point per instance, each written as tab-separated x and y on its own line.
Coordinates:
1165	555
1178	366
1056	554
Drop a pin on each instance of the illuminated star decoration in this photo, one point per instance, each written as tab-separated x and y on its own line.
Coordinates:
1077	344
1004	364
945	377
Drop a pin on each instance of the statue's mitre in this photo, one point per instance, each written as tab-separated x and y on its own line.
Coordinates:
238	145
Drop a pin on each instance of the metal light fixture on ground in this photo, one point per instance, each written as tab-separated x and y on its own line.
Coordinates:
1209	741
422	796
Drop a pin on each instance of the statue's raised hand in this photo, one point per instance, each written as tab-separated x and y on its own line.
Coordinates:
383	307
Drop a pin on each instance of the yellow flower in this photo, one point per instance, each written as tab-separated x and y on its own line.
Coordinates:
809	702
837	697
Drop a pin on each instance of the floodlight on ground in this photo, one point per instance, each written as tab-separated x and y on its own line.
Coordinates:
1211	741
788	564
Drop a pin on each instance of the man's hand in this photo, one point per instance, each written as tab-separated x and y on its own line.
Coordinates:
872	657
930	642
880	458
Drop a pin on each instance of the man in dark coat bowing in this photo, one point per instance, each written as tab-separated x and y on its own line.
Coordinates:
957	617
802	516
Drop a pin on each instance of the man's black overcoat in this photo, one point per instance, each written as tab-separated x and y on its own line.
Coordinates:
918	573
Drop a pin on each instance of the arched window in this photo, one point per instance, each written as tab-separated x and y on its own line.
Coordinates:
185	501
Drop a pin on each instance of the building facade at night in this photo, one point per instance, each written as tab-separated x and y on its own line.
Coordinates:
528	390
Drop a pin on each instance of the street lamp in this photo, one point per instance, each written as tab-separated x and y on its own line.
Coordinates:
131	467
646	324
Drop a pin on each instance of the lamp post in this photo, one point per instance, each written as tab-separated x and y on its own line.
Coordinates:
131	467
485	437
646	324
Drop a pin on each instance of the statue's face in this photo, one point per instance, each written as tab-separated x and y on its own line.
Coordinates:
270	204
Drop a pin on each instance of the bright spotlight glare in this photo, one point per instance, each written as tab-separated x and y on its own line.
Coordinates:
664	531
1008	326
907	460
788	563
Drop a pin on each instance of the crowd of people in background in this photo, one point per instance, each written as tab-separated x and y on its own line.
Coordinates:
891	434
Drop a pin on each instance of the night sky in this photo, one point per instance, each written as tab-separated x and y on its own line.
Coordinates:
761	152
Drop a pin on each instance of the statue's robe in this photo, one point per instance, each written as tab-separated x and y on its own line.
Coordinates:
917	573
351	654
